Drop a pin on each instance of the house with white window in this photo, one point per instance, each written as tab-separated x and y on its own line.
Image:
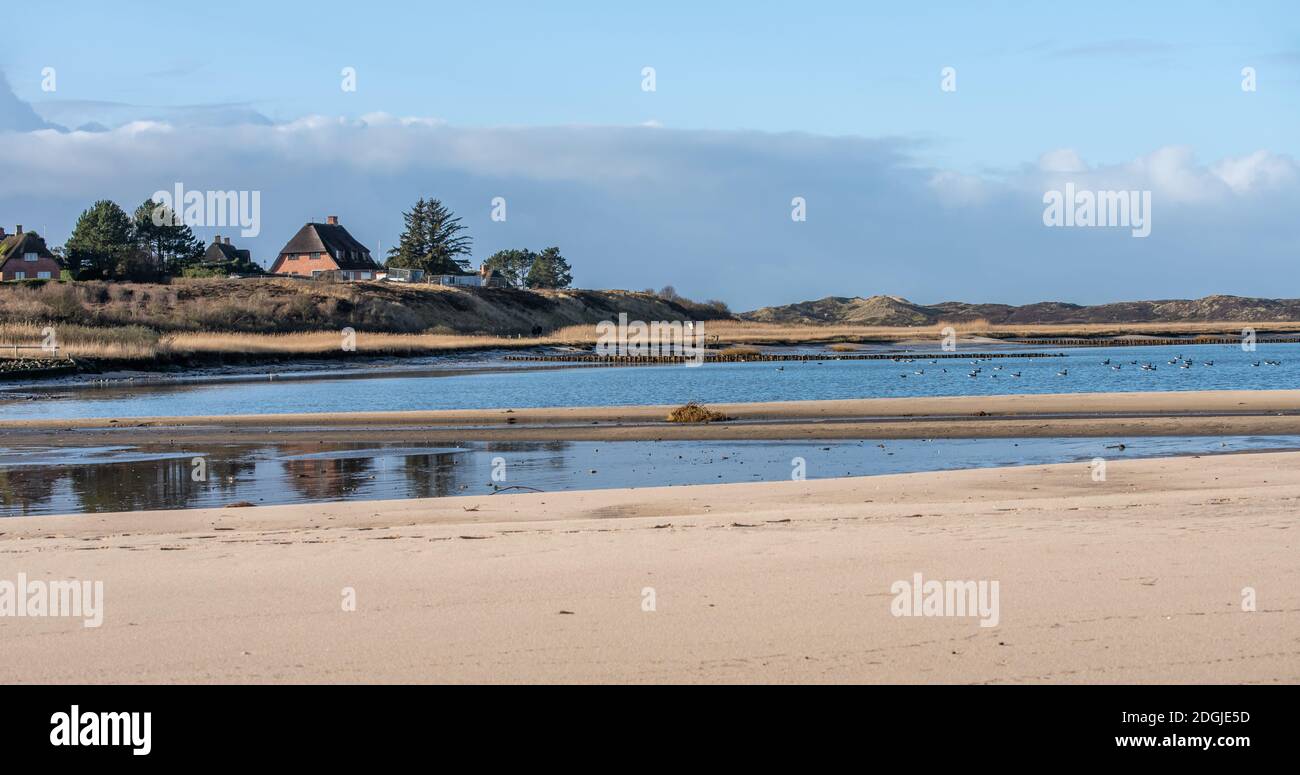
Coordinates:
24	256
326	250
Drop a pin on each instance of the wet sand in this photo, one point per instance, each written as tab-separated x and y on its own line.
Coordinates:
1192	413
1136	578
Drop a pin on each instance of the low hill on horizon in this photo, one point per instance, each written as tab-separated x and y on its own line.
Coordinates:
896	311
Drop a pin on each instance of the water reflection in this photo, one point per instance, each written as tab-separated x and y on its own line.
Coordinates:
124	478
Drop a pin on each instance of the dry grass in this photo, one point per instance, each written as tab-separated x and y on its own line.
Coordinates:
696	413
137	342
745	332
122	342
977	326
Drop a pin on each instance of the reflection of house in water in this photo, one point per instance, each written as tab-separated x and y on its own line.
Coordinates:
324	478
23	490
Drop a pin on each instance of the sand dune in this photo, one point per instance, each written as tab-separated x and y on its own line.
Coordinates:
1137	578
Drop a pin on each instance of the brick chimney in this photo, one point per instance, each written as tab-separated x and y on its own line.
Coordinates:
216	239
332	220
18	229
227	240
2	232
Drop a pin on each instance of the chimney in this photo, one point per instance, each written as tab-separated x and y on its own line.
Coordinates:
18	229
2	232
227	240
332	220
216	239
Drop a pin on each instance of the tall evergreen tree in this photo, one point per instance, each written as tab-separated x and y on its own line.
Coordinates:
102	242
166	238
413	245
549	270
446	242
432	240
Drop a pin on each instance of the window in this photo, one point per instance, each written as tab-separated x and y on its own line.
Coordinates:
30	257
42	275
20	275
315	256
293	257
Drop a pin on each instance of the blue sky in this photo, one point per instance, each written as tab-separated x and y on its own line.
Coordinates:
1112	83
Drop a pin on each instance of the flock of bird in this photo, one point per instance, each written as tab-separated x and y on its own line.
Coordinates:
1177	361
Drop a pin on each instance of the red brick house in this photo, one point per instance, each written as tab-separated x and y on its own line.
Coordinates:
318	248
24	256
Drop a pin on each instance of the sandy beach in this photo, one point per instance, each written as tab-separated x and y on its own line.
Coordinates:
1138	578
1190	413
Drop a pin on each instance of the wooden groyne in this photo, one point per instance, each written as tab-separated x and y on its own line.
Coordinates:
641	360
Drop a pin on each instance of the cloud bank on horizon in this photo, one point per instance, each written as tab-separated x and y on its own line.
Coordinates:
708	211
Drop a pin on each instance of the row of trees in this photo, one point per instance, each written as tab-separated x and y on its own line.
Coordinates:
434	239
108	244
524	268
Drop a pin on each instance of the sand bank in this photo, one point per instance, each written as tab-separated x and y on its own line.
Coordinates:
1229	412
1137	578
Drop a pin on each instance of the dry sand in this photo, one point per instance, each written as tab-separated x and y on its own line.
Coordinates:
1206	413
1137	578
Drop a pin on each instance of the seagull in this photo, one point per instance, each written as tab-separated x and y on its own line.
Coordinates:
1015	374
1063	373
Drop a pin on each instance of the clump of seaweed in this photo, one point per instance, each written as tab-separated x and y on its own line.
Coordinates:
696	413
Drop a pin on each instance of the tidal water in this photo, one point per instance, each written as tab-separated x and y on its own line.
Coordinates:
1080	370
62	480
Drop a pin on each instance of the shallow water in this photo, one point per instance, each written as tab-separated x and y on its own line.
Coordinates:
676	384
60	480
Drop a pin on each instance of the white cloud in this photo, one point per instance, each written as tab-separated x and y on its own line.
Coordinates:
1061	160
707	211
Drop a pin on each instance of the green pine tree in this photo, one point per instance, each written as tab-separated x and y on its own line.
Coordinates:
166	238
432	240
102	242
413	244
549	270
511	265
